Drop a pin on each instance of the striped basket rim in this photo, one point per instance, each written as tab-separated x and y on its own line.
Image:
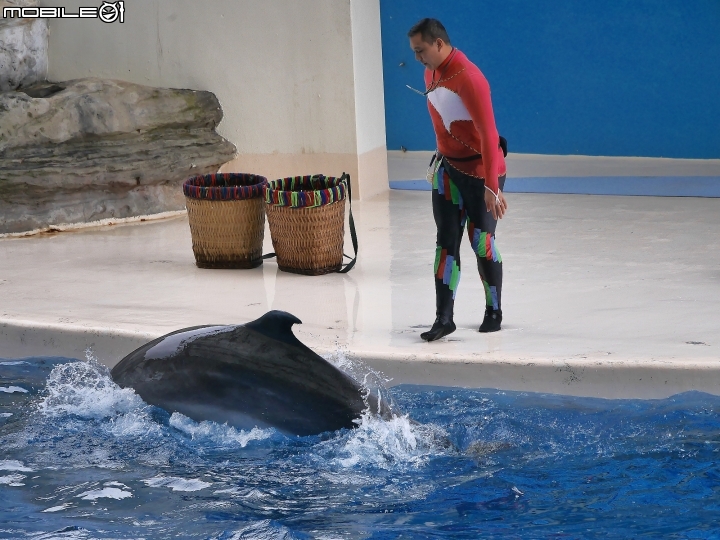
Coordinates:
305	191
225	186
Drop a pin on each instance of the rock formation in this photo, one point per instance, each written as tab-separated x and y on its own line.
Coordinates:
90	149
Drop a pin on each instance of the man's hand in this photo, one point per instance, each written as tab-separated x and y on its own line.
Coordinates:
497	209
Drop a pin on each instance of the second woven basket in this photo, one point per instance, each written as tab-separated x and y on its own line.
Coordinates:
306	215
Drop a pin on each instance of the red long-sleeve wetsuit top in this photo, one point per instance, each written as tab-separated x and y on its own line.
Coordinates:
462	115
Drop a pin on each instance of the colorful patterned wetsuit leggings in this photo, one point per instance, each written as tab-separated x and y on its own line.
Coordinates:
459	200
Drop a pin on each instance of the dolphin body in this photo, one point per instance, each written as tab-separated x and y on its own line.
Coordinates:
254	374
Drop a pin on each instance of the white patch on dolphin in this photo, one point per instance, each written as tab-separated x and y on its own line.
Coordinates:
448	105
175	343
14	363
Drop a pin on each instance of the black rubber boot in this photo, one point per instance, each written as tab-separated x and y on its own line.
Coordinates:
438	330
492	320
443	324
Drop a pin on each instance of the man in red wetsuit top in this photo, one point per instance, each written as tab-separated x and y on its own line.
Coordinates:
467	173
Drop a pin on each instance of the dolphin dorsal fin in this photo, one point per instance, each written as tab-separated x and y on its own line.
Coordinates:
276	325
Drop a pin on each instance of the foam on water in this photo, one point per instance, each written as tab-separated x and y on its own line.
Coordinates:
105	493
177	484
12	480
219	434
13	389
14	465
116	484
58	508
66	533
260	530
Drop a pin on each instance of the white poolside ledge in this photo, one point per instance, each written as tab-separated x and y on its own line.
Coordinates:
604	296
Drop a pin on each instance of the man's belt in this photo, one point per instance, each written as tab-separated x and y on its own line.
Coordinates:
468	158
502	145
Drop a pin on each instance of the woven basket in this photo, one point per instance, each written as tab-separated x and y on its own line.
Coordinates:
227	219
306	215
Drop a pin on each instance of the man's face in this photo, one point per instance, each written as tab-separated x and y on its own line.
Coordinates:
428	54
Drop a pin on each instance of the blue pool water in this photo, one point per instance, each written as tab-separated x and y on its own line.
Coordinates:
81	458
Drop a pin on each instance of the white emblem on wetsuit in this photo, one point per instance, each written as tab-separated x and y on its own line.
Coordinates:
448	105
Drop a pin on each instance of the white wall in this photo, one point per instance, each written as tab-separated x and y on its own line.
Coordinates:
283	70
368	74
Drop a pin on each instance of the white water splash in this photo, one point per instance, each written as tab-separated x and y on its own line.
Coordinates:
6	415
14	465
381	442
373	382
15	363
363	374
136	423
220	434
177	484
13	390
82	392
397	443
85	389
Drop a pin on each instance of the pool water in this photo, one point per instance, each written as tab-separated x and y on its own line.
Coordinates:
82	458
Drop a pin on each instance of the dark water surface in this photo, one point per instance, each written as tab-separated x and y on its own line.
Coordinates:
81	458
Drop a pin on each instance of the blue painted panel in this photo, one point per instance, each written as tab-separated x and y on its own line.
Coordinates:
611	78
656	186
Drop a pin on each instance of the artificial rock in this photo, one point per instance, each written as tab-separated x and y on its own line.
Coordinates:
91	149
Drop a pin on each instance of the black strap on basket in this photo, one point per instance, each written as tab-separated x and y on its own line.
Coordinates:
353	235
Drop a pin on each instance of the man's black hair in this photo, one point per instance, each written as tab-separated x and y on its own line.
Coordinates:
431	30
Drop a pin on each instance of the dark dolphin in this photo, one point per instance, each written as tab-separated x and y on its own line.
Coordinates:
255	374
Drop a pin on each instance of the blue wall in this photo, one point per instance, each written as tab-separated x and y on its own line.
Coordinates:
611	78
